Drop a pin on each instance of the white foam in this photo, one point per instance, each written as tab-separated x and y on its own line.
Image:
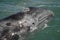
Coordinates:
45	25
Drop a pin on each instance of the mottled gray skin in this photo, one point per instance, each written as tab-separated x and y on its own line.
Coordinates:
17	25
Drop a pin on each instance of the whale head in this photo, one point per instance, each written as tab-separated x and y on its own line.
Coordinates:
18	25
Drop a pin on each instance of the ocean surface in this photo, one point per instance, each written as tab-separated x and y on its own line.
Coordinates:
52	32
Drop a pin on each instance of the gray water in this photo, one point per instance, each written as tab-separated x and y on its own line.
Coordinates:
52	32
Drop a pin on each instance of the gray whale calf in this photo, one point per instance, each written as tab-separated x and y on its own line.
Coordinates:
17	25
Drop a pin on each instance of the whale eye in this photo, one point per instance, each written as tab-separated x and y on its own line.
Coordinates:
33	23
8	24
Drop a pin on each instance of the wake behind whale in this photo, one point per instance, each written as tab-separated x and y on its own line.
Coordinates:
18	25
